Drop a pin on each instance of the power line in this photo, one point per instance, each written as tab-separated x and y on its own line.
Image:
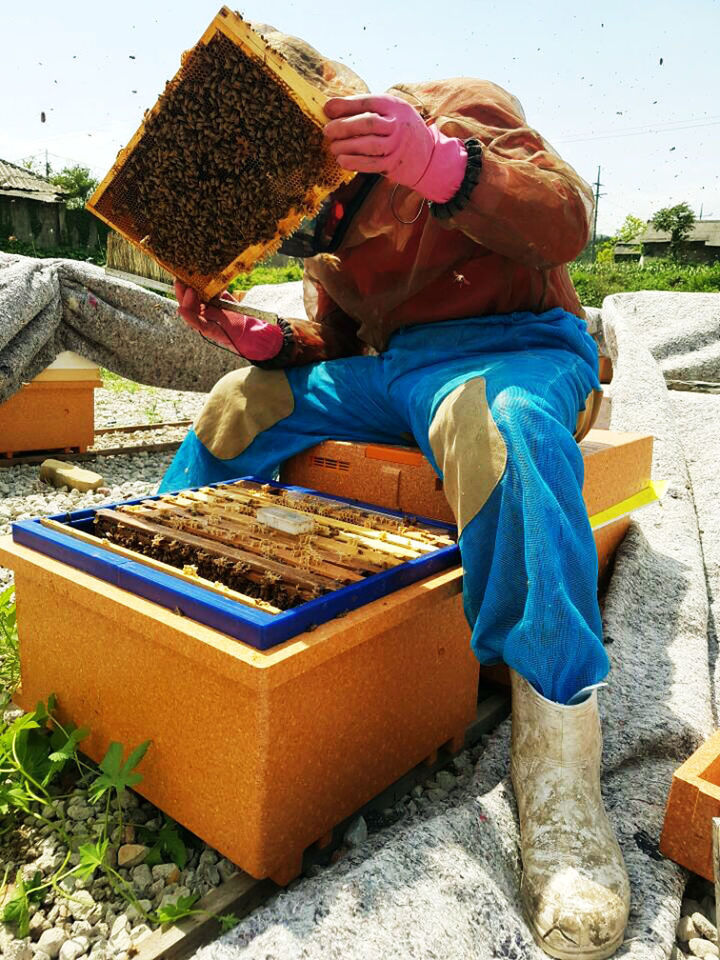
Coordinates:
640	132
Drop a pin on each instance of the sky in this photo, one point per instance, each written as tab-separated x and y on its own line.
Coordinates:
630	87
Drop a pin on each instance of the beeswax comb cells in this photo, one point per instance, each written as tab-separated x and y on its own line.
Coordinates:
227	163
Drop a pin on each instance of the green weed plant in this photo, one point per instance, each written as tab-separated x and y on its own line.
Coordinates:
595	281
39	757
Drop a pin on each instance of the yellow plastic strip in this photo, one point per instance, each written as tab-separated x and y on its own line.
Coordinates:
651	494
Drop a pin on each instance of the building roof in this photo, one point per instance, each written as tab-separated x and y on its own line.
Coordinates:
703	231
18	182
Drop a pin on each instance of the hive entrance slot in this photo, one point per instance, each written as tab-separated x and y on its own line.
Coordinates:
328	463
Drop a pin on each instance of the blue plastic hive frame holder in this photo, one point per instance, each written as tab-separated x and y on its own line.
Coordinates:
255	627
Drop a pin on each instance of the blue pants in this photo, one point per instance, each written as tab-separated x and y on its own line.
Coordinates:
530	585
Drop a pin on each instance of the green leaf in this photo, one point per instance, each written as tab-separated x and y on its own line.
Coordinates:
172	912
117	775
17	909
167	842
69	748
154	857
92	856
111	763
135	757
172	843
227	921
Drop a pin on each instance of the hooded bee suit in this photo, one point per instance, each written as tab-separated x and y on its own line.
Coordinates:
456	324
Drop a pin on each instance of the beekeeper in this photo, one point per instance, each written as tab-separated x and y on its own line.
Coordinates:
439	308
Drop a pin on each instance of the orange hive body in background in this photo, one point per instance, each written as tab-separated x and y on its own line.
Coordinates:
234	146
617	466
55	411
260	753
693	802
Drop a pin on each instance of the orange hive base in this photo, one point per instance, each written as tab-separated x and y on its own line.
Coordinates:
259	753
49	415
693	802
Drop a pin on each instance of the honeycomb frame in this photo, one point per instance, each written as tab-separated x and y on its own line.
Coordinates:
311	101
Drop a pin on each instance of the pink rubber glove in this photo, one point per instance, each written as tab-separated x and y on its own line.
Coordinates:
384	134
247	336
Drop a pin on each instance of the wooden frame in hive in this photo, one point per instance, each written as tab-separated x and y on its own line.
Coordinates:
308	98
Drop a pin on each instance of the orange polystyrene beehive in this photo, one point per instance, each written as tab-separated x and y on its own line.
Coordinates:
693	802
289	192
259	753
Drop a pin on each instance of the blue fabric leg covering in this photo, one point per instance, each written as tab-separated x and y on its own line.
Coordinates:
530	562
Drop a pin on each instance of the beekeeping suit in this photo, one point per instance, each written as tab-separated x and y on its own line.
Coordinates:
439	308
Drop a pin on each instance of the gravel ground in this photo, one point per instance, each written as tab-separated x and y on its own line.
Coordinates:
124	403
23	496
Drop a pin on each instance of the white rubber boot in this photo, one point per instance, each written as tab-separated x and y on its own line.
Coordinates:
575	888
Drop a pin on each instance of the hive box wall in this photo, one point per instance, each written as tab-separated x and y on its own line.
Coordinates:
617	466
693	801
49	415
260	754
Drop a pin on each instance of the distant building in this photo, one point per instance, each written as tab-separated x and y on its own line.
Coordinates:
33	210
627	253
702	245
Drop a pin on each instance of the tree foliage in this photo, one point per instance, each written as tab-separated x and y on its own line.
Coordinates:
678	222
77	183
630	232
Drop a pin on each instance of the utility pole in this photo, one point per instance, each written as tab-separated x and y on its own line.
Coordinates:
597	186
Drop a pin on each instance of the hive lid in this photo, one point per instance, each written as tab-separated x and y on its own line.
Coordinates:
159	192
69	366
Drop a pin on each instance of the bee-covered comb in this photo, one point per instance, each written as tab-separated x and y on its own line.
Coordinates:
229	161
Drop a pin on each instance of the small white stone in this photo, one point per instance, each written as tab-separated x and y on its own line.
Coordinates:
120	941
133	913
705	929
72	949
686	929
208	856
83	907
445	780
52	940
167	872
81	928
702	948
227	869
141	878
18	950
121	923
172	897
357	833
